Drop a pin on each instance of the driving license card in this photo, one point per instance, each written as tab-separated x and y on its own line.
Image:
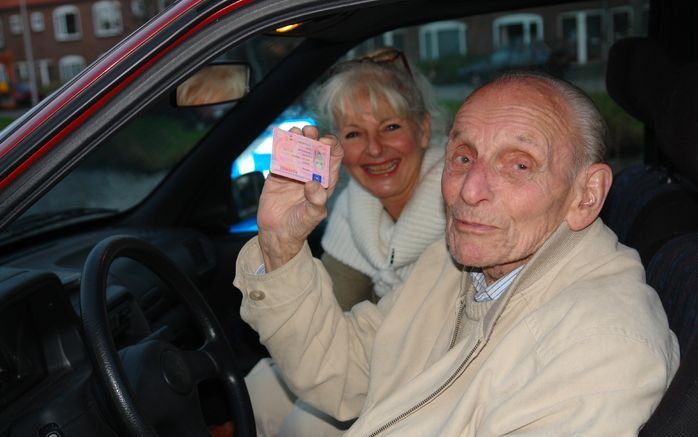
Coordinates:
300	158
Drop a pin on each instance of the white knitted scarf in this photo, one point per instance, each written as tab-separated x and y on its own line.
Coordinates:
362	235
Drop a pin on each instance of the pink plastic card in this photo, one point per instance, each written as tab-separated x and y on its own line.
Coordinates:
300	158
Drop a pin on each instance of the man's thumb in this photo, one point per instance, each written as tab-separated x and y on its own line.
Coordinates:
316	197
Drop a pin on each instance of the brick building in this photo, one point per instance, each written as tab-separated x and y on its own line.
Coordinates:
63	36
582	31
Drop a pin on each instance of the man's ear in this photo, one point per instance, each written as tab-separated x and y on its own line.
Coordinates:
426	131
592	187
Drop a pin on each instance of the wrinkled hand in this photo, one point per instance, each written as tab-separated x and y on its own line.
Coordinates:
289	210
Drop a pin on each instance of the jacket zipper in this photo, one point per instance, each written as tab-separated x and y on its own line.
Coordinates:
432	396
459	317
446	383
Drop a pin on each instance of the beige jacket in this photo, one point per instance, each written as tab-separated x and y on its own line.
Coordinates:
579	345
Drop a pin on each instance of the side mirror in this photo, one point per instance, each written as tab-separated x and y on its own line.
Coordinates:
246	190
214	84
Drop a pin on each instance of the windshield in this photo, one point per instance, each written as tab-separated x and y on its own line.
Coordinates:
130	164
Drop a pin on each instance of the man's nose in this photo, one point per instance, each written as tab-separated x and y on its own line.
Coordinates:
476	185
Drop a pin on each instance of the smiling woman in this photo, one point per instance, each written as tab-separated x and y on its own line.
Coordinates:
391	133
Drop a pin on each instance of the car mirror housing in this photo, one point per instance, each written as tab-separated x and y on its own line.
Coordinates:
246	190
214	84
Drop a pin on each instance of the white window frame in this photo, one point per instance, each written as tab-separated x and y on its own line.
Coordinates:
372	44
61	33
138	8
389	37
37	22
69	62
22	71
433	29
526	20
112	10
580	18
15	24
43	67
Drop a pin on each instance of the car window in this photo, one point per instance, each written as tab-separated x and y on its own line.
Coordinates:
128	166
257	156
569	40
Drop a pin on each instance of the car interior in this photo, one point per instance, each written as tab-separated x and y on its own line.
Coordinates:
129	243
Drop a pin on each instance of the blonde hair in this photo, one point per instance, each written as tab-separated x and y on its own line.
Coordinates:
408	94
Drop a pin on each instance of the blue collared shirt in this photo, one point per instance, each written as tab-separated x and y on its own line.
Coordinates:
484	292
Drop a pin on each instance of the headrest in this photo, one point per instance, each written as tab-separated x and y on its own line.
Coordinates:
638	73
677	123
662	93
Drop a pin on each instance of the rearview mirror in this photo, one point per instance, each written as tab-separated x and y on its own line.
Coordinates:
214	84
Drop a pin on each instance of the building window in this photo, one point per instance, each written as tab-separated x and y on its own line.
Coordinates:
22	71
70	66
442	39
389	39
15	24
517	30
44	69
66	20
581	33
621	22
37	21
41	66
2	35
138	8
107	18
395	38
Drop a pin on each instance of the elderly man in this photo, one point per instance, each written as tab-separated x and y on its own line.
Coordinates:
531	319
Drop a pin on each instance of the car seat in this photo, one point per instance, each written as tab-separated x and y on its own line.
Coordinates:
649	204
673	272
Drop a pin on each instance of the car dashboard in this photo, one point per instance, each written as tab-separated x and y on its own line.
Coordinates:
44	367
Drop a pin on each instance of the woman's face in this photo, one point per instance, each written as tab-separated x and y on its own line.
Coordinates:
382	151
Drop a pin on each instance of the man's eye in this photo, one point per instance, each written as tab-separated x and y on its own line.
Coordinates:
521	166
462	159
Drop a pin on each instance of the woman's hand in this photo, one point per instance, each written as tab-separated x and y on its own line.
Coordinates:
289	210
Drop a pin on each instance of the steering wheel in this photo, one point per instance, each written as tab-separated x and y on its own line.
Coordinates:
153	385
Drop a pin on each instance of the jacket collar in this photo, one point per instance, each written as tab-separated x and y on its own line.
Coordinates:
558	245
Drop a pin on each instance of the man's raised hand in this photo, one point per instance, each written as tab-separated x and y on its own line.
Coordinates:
289	210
